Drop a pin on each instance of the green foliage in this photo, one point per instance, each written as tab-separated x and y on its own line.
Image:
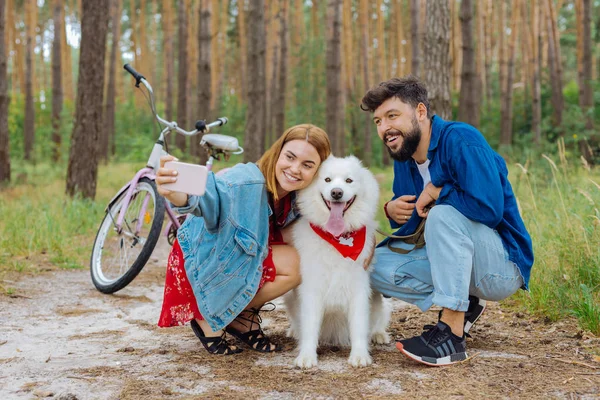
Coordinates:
559	204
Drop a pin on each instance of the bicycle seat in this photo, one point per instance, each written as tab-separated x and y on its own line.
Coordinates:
221	142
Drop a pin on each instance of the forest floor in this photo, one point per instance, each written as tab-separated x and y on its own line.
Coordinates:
62	339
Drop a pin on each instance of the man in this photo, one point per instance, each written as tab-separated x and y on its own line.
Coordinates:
477	247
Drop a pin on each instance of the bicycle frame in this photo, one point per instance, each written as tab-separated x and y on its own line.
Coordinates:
154	160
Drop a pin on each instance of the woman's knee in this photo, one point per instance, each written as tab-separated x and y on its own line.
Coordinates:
287	262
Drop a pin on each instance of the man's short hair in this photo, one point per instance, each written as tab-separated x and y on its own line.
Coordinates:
408	89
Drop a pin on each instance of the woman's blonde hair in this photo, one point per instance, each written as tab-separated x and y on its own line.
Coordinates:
311	133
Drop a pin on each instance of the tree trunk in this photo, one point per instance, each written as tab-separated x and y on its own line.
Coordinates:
455	47
182	76
364	44
555	63
272	66
469	101
335	114
107	144
204	74
243	35
586	96
536	61
82	172
222	73
4	100
67	70
415	37
254	135
279	111
506	109
169	59
489	48
436	63
29	124
502	52
57	91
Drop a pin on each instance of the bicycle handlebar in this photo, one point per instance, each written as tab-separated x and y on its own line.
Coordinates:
201	126
138	77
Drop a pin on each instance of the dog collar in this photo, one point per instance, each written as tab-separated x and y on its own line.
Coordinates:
349	245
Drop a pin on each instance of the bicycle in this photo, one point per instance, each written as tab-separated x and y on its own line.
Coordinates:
134	217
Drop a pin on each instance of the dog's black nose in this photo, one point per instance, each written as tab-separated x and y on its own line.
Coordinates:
337	193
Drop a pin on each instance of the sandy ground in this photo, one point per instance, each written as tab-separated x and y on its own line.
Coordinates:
60	338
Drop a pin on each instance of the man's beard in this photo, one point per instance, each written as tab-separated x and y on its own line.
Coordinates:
410	143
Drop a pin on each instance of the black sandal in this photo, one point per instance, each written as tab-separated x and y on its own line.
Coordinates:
255	339
216	344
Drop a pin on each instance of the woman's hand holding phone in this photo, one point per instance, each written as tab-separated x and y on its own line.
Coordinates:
166	176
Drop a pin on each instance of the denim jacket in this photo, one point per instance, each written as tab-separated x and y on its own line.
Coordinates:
474	180
225	241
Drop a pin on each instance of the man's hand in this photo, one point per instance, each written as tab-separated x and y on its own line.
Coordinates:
427	198
400	209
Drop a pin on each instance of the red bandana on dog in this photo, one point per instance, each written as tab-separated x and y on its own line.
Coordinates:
349	244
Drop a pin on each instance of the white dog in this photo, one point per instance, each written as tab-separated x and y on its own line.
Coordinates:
335	239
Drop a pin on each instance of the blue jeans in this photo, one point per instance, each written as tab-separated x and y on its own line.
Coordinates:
461	258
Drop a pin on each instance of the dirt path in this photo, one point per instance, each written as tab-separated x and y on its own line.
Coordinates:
61	338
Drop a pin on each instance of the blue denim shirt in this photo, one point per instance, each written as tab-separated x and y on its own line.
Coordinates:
474	180
225	241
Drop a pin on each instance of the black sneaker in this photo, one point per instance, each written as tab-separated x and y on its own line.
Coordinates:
476	308
436	346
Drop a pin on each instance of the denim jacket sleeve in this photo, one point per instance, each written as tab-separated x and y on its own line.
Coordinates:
207	206
475	188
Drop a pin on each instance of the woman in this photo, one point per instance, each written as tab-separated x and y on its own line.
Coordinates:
237	228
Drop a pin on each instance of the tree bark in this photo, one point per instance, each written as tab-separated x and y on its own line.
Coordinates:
272	27
335	114
67	70
279	110
536	61
254	135
437	65
415	37
469	101
82	172
364	44
506	109
107	144
243	34
586	96
204	74
4	100
29	124
555	64
182	75
502	52
169	59
57	90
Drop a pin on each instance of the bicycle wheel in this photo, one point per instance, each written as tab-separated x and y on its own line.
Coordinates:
118	257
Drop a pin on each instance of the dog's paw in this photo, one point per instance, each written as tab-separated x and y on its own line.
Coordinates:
306	360
380	337
360	359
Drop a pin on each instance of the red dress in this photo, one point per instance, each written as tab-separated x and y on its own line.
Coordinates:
179	302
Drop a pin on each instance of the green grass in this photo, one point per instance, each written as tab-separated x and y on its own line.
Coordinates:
41	228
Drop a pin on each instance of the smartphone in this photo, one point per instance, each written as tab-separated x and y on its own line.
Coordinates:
191	178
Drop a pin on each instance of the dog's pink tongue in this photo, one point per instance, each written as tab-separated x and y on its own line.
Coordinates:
335	224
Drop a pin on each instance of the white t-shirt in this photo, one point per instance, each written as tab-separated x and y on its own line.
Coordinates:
424	171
